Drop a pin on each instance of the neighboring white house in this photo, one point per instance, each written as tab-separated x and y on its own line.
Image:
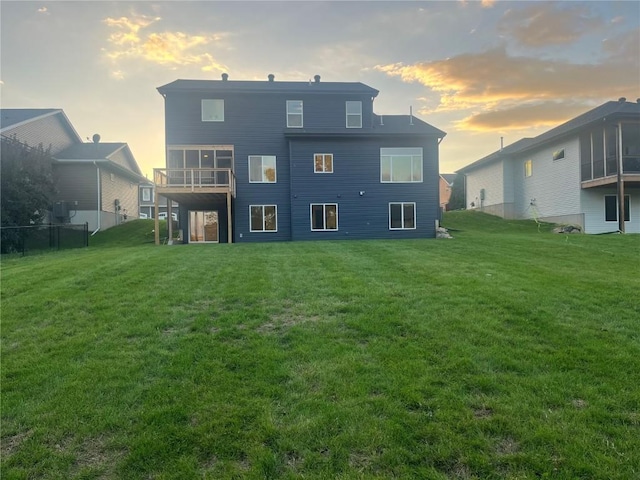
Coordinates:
568	175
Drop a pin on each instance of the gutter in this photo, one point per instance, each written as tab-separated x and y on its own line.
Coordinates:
99	197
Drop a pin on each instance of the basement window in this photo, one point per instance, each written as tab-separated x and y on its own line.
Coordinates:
611	208
402	216
324	216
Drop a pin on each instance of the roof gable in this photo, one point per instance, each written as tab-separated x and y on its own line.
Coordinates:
116	154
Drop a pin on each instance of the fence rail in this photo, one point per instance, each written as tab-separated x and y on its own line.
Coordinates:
34	238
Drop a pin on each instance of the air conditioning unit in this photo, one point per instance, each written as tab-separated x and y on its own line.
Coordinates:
61	210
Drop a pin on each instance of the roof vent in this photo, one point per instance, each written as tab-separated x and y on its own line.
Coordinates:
96	138
317	78
271	77
622	99
225	77
637	100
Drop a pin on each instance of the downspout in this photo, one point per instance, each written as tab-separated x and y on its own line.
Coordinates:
99	197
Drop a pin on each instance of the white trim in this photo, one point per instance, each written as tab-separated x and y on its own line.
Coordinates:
402	204
398	154
323	162
296	113
264	230
214	115
262	157
347	114
324	217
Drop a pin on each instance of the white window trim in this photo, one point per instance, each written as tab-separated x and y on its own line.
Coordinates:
391	180
557	153
202	103
402	204
275	180
347	114
324	217
530	172
323	162
264	230
146	194
301	114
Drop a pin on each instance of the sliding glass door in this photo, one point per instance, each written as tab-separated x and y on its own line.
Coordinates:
203	226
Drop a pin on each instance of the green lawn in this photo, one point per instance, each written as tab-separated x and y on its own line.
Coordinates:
507	352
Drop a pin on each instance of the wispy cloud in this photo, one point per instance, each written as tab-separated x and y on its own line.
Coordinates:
43	10
548	23
492	85
130	41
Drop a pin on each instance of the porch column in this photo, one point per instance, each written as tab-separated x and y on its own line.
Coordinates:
620	182
229	221
169	222
156	229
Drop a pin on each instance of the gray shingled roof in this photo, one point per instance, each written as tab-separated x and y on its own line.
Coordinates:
90	151
10	117
398	124
266	86
617	110
449	177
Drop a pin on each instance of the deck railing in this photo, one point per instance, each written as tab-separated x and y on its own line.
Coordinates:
194	179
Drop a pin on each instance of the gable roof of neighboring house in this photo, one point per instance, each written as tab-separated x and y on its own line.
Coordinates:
252	86
12	118
613	110
448	177
117	156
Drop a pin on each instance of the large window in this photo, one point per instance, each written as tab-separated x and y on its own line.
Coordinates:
400	165
294	114
354	114
611	208
402	216
262	169
212	110
324	216
263	218
146	194
323	163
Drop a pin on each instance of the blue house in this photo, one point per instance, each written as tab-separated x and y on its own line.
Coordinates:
252	161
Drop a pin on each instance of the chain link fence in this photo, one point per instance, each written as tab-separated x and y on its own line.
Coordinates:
40	238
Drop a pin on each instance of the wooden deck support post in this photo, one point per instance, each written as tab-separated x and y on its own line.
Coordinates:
229	220
169	223
621	212
156	229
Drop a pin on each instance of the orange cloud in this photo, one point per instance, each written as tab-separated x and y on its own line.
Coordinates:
545	23
166	48
519	117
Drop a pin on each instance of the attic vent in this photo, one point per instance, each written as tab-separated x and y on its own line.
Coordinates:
271	77
317	78
225	77
96	138
622	99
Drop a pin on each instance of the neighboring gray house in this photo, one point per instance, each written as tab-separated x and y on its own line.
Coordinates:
256	161
97	183
567	175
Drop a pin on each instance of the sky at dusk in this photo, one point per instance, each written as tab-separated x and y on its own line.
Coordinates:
479	70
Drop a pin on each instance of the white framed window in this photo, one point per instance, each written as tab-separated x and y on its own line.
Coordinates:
324	216
402	216
146	194
528	168
263	218
323	163
611	208
212	110
558	154
262	169
400	165
294	114
354	114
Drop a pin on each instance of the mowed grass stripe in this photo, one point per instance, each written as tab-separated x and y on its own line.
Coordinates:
508	352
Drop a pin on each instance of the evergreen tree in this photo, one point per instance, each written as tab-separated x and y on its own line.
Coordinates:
457	200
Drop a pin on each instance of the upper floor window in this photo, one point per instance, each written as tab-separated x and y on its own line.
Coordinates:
354	114
558	154
401	165
212	110
262	169
323	163
528	168
324	216
294	114
146	194
264	218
